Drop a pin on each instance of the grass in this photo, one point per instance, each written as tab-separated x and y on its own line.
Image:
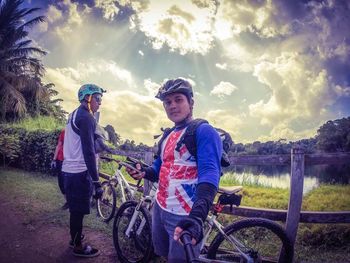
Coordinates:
245	179
38	123
39	197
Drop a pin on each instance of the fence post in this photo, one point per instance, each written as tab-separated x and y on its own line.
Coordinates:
296	192
147	185
148	157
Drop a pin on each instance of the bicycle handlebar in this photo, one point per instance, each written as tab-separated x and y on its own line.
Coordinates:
186	240
125	164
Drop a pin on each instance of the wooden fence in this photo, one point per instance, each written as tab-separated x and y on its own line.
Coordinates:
297	161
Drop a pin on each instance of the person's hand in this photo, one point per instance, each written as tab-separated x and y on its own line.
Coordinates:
137	175
191	224
98	190
53	164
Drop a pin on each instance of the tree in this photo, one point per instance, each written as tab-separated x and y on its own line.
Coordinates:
334	136
114	138
20	70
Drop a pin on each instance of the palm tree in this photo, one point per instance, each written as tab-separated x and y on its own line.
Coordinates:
19	69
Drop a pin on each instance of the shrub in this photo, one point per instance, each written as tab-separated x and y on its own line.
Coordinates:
9	148
32	151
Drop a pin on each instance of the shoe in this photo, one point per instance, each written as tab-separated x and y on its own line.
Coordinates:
65	206
71	243
86	252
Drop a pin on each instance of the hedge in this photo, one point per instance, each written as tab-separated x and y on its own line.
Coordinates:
28	150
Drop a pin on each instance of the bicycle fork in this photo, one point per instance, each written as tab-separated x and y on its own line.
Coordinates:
135	215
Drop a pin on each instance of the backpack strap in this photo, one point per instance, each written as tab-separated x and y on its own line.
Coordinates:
189	137
166	132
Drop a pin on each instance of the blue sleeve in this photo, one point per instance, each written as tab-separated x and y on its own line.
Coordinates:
152	172
209	151
156	165
87	126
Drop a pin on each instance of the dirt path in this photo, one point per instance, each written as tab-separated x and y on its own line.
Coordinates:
43	242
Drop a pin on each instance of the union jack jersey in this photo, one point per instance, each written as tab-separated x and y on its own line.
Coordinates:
178	176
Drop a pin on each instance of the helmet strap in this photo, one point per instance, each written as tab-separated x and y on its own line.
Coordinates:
89	103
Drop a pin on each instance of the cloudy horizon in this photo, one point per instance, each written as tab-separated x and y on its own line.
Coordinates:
261	69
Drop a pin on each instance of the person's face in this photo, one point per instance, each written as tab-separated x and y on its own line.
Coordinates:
96	101
177	107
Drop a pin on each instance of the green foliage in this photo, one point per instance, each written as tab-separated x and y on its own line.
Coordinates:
114	138
48	123
245	179
36	148
334	136
22	92
129	145
328	198
9	147
274	198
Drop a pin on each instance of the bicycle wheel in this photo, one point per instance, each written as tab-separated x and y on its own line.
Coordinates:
106	205
261	239
137	247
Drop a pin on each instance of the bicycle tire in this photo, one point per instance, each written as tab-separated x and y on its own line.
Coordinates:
137	248
272	234
106	205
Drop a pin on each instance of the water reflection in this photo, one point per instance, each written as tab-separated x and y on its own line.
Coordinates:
279	176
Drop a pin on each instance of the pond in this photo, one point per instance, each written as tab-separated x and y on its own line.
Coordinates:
279	176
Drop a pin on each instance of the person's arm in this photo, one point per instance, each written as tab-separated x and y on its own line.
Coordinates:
87	125
59	144
209	150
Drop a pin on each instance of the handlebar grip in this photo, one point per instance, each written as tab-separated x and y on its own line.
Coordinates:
107	158
186	240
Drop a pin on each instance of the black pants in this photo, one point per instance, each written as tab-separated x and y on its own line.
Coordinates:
76	227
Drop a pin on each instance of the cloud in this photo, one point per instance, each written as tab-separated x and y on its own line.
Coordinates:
221	66
65	17
176	27
151	87
223	89
53	14
299	90
284	131
134	116
108	7
227	120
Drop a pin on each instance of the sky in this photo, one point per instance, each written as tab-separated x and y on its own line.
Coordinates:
260	69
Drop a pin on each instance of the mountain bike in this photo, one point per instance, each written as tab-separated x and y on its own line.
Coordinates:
249	240
117	190
132	236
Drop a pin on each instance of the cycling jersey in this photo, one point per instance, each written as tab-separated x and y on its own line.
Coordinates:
79	149
179	172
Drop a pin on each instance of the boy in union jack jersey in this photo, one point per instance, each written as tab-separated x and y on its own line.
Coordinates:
187	184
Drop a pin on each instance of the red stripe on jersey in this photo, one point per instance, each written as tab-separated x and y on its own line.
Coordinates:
164	173
184	172
182	201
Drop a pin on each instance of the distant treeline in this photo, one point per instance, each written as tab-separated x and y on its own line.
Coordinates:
333	136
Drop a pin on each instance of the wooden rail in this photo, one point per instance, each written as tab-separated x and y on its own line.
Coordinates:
285	159
281	215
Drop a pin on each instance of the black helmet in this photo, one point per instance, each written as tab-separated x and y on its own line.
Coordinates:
175	85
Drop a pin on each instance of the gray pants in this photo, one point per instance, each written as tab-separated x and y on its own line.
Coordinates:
163	226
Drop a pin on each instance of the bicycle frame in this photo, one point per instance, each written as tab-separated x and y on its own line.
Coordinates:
149	200
214	223
125	187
